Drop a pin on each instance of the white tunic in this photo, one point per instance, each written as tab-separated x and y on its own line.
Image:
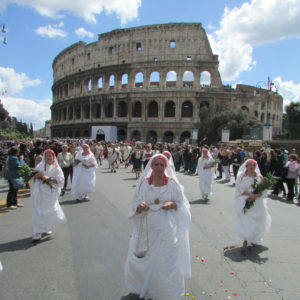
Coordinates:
127	151
46	211
205	176
84	180
252	224
158	275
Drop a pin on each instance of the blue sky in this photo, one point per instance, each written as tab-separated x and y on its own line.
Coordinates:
254	39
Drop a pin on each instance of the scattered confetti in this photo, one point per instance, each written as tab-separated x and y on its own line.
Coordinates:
234	294
187	294
210	294
203	259
226	290
193	297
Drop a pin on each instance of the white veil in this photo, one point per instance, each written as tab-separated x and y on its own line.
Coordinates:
243	170
240	200
184	214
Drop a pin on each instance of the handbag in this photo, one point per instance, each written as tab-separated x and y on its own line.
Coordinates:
17	183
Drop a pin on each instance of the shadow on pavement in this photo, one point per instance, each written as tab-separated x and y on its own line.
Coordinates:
131	297
239	254
22	244
200	201
132	178
281	199
72	202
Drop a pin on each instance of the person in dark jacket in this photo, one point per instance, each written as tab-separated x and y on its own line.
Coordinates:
277	168
12	165
236	160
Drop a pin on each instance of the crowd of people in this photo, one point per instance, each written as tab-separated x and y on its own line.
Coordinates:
159	254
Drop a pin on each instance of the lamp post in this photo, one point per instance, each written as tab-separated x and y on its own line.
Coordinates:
269	87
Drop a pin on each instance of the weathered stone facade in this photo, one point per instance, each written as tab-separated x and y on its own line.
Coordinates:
149	81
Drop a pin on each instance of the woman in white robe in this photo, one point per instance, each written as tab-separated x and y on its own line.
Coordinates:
84	175
251	223
206	170
159	254
46	211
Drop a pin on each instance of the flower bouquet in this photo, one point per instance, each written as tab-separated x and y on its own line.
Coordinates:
267	182
26	172
77	162
213	163
48	182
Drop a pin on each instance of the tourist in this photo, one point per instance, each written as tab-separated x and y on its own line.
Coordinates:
225	162
292	166
236	160
136	159
12	176
147	155
64	160
99	152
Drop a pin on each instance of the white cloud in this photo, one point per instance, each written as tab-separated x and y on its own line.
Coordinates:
12	82
28	110
289	90
51	31
125	10
81	32
257	22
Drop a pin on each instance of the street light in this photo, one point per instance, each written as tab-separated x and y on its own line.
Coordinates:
268	86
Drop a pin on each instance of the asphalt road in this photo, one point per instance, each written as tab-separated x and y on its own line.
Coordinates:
84	258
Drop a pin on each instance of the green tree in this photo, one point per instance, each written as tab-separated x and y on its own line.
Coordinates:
293	120
3	113
214	118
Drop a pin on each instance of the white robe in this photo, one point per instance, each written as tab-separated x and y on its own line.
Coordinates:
127	151
160	274
84	180
252	224
205	176
46	211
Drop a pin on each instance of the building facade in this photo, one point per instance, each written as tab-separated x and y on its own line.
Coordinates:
150	82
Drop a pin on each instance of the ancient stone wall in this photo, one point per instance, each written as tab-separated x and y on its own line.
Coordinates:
149	81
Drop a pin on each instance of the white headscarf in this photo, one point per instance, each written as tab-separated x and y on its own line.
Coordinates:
184	214
43	165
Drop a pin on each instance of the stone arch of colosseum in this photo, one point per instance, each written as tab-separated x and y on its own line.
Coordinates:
151	82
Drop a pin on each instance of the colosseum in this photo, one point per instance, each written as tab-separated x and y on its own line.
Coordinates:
147	83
